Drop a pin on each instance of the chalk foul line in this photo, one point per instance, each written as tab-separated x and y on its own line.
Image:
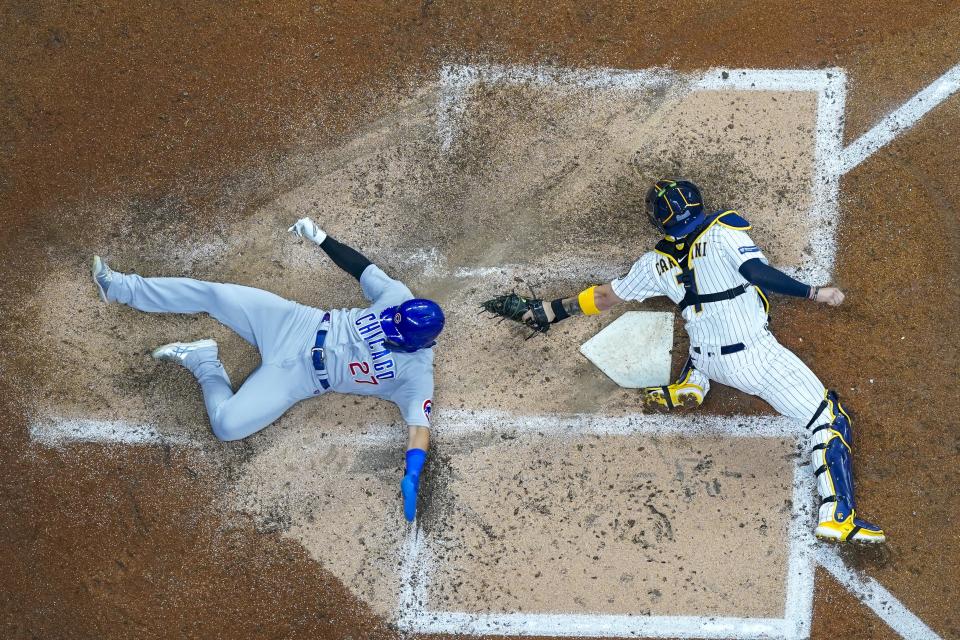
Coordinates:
900	120
875	596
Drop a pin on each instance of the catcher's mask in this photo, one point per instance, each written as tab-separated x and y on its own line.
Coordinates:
675	207
412	325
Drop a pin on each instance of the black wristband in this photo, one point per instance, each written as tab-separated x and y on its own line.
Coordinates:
558	311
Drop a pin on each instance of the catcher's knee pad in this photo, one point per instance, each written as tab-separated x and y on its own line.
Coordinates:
688	391
832	455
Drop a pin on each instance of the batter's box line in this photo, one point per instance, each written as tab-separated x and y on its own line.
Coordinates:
456	82
831	159
415	567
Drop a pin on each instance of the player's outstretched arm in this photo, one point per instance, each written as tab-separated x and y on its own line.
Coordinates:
347	258
539	314
588	302
769	278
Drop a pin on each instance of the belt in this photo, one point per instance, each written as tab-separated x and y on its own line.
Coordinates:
316	354
726	349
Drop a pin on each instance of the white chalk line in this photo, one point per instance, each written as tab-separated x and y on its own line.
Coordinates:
465	422
798	610
825	188
604	626
900	120
59	431
875	596
55	431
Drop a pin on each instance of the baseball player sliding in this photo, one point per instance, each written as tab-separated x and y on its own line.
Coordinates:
717	276
384	350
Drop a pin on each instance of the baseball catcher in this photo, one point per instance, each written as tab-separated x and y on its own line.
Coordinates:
719	279
384	350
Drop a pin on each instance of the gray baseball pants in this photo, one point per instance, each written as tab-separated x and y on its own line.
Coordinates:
283	332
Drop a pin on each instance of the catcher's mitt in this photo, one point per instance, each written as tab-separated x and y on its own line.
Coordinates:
515	307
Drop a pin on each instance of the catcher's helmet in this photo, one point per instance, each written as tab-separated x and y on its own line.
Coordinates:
412	325
675	207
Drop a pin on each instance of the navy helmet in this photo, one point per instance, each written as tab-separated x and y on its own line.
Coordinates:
412	325
675	207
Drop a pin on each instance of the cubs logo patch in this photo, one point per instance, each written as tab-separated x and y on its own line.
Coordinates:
427	407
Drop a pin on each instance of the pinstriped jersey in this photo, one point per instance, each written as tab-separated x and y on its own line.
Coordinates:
715	257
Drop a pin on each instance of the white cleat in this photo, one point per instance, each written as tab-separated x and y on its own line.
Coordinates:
178	351
102	276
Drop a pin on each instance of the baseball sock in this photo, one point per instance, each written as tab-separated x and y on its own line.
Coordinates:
415	461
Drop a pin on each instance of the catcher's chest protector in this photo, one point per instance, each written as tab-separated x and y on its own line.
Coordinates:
682	251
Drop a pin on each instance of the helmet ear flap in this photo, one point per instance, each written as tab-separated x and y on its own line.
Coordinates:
651	205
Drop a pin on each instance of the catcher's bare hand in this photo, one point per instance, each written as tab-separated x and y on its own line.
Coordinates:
830	295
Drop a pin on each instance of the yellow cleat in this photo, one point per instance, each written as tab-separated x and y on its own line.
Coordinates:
672	396
851	529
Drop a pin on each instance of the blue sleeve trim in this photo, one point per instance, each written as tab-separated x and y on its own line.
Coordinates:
770	279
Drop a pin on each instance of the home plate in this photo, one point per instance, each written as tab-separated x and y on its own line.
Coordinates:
634	349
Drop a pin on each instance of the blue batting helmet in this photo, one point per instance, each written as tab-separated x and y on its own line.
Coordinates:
675	207
412	325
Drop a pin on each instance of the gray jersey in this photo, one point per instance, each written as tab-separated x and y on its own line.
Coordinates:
358	362
716	263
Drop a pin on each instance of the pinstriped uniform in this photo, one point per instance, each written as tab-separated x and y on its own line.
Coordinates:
765	368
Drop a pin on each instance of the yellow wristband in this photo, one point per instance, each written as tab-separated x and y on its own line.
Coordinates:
588	302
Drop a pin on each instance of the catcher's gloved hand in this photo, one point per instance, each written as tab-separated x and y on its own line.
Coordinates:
528	311
307	228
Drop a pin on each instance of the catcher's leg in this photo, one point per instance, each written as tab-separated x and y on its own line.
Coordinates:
795	391
687	392
832	454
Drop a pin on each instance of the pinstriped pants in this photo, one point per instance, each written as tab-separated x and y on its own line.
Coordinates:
768	370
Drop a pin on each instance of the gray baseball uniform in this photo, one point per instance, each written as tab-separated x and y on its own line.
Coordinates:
284	332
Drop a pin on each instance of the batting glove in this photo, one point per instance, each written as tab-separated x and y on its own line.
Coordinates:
307	228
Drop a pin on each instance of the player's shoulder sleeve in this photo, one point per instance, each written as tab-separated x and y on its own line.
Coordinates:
380	288
733	220
641	282
730	232
415	397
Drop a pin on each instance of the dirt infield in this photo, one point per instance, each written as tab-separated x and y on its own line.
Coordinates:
182	140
